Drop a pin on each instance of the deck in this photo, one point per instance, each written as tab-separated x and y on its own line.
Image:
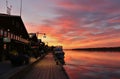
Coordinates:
46	69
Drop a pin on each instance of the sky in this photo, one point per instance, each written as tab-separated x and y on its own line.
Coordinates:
71	23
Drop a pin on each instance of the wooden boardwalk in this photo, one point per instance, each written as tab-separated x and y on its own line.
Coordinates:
46	69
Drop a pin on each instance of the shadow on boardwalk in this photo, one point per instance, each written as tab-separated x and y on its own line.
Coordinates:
46	69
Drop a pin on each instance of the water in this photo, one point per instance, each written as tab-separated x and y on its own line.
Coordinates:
92	65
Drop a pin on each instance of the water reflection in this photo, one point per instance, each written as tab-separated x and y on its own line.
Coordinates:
92	65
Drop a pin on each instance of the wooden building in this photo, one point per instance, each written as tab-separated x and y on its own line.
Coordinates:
34	43
13	34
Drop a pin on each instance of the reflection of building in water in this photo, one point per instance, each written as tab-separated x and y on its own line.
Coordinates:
13	34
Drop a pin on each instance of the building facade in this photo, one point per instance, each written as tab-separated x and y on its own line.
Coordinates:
13	35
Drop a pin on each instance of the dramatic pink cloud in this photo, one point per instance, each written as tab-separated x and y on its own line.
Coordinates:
72	23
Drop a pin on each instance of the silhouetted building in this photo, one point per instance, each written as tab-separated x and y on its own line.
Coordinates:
34	43
13	34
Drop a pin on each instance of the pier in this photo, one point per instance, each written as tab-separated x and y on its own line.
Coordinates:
46	69
18	47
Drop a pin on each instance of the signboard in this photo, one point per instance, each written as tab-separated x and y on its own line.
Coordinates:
7	40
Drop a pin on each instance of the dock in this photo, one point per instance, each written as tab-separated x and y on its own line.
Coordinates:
46	69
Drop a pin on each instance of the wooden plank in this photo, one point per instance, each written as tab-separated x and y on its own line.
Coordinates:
46	69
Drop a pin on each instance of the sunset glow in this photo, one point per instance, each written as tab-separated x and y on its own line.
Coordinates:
71	23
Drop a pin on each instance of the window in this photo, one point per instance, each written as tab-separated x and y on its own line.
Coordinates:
9	34
1	32
5	33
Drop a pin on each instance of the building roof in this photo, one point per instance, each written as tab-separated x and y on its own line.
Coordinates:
14	24
33	37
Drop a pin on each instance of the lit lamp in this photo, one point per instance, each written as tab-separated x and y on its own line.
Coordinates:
7	39
8	30
30	36
8	33
44	36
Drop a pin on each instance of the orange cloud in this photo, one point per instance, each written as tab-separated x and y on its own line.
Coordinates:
80	23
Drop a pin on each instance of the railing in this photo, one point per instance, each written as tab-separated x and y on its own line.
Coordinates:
7	34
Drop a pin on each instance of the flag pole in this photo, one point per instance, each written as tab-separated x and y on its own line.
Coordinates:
21	8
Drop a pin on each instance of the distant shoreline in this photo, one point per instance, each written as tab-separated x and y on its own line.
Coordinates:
98	49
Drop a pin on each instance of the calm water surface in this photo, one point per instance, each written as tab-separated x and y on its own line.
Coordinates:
92	65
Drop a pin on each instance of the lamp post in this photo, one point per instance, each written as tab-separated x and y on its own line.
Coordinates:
44	35
21	8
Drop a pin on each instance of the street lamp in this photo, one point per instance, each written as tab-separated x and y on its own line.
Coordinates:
44	35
